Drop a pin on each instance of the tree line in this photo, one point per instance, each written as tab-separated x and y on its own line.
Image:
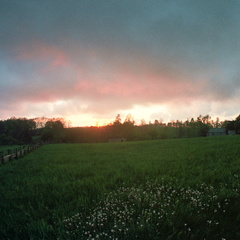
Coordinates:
59	130
198	127
15	131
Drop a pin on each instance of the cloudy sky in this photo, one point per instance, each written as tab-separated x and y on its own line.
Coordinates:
89	60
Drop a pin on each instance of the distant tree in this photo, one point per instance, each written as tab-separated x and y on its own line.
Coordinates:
129	120
202	127
229	125
237	124
41	121
2	127
55	125
128	130
17	130
217	123
152	131
161	123
47	135
53	131
206	119
118	120
143	122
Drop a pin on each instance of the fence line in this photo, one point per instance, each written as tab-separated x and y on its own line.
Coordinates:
17	152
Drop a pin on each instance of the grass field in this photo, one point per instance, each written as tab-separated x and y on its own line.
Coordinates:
164	189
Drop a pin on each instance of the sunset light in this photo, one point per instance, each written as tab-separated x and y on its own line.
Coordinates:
120	119
88	64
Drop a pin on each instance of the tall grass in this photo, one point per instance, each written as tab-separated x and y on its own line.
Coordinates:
58	190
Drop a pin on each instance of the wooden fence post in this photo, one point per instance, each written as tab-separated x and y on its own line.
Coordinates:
16	153
1	157
20	152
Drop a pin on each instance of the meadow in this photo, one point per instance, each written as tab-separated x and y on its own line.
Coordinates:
160	189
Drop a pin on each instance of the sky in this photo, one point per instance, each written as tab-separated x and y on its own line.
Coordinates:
89	60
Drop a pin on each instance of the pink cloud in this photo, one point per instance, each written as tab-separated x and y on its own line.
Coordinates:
102	84
38	51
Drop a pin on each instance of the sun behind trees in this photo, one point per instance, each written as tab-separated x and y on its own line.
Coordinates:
58	130
127	129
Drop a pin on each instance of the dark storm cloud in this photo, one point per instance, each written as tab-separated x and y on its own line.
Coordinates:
118	53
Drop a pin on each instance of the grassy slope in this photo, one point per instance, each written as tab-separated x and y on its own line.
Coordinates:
56	181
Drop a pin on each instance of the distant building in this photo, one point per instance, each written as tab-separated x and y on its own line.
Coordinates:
217	132
117	139
231	132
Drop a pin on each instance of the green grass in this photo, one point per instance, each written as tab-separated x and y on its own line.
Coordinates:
168	189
